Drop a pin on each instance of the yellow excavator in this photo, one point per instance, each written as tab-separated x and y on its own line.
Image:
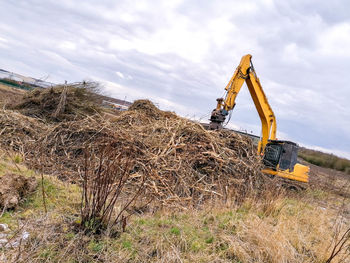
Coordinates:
279	157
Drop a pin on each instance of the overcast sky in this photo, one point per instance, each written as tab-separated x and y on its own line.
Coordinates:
181	54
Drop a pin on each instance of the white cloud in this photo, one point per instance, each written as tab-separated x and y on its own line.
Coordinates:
120	75
67	45
130	94
2	39
335	40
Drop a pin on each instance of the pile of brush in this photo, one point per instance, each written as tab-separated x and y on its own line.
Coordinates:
184	163
61	103
18	132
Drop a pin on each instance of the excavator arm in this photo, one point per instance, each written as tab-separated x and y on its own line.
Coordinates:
245	73
279	157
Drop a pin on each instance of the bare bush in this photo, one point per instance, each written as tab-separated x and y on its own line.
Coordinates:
104	205
341	245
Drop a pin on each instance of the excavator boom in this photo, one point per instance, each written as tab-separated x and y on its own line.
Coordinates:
245	73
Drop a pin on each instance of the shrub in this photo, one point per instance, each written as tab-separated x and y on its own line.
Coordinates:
104	206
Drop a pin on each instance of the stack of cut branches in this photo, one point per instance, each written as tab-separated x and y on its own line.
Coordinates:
184	163
61	103
18	132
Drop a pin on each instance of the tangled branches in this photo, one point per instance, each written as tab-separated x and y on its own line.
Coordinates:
105	176
184	164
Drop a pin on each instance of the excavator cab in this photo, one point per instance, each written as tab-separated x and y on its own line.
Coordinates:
280	158
280	154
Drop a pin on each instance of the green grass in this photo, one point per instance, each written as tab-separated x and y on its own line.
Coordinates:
96	246
59	197
127	244
176	231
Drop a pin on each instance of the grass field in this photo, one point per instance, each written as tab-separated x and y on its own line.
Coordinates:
294	228
325	160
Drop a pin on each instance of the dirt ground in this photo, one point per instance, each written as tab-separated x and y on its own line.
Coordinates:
331	180
331	189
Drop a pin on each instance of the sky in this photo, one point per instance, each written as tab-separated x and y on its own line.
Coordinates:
181	54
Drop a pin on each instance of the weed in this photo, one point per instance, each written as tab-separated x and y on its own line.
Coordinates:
17	158
196	246
48	254
209	240
96	246
70	236
141	221
105	175
176	231
7	218
127	244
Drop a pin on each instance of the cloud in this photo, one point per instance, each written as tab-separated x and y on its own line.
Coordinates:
335	41
182	53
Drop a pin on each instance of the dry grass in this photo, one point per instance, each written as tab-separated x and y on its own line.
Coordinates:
9	94
292	233
19	133
277	228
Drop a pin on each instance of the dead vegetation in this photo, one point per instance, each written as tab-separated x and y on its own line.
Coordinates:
18	132
60	103
121	163
13	188
104	207
184	163
9	94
